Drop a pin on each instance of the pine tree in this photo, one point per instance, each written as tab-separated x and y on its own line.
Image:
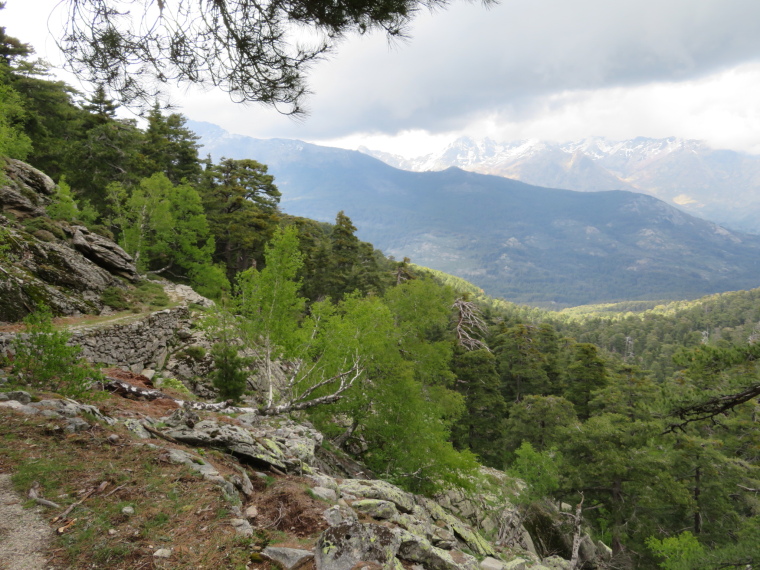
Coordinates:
240	200
481	428
170	148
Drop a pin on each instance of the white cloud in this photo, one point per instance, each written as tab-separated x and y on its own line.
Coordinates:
523	69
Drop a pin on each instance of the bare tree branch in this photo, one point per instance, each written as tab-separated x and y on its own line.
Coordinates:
469	322
711	408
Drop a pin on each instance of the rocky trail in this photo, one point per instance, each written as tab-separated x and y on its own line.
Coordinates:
25	536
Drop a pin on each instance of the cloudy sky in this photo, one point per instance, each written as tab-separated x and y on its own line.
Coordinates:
547	69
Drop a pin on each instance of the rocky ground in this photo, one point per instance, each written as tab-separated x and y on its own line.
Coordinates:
150	484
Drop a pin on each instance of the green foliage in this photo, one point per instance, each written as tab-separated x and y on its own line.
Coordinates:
6	245
240	200
540	421
230	375
586	373
176	385
539	470
270	305
405	424
151	294
146	295
481	427
43	223
169	148
354	265
195	352
14	142
678	552
115	297
524	365
44	360
164	228
65	207
421	313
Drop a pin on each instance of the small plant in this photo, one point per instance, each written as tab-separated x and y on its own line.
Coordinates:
151	294
115	297
176	385
6	242
33	225
230	377
44	360
195	352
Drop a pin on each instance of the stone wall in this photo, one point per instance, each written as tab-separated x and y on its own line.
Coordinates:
135	346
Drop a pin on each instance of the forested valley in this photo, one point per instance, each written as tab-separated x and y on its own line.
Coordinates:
645	414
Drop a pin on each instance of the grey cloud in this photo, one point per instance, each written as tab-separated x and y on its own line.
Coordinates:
468	61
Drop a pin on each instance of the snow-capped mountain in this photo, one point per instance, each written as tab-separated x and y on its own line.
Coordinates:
720	185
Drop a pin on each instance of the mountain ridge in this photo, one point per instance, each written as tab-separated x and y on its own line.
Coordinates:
720	185
541	246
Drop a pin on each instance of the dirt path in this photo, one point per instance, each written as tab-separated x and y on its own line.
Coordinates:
24	534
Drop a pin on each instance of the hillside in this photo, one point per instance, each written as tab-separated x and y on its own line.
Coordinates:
719	185
525	243
193	376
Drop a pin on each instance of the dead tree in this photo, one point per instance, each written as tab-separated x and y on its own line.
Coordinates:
469	323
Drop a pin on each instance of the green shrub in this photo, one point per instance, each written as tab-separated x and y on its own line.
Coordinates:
6	245
678	552
44	360
151	294
116	297
33	225
175	385
230	377
195	352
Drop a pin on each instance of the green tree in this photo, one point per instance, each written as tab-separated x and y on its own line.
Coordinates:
105	153
240	200
230	376
586	373
170	147
540	421
614	462
401	427
481	427
352	265
630	392
100	108
522	364
678	552
539	470
271	307
14	142
44	359
164	228
421	312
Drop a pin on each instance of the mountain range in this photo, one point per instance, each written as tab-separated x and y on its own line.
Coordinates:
525	243
719	185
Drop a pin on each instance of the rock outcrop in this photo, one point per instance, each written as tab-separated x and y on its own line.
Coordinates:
103	252
27	191
49	262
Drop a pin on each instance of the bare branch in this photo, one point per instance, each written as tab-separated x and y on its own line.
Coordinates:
711	408
468	323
